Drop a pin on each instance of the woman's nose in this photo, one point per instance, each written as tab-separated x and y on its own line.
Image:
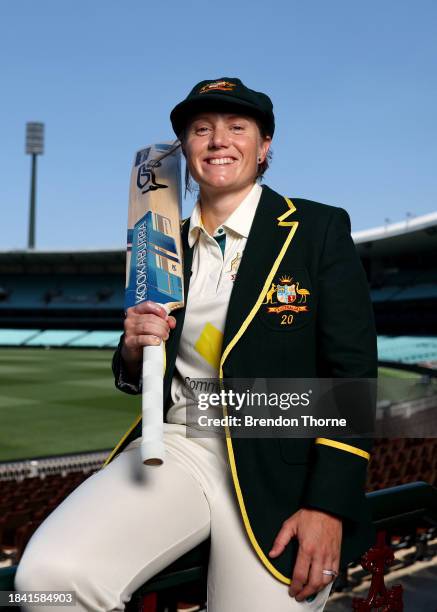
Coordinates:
219	137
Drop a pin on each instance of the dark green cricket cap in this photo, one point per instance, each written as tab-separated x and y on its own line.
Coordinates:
226	94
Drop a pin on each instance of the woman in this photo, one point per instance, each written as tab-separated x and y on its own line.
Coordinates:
282	514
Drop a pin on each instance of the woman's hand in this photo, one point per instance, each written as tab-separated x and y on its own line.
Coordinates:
319	535
145	325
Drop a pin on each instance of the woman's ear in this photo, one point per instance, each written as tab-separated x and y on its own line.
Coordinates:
265	146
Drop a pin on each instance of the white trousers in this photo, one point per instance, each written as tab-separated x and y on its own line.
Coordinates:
128	521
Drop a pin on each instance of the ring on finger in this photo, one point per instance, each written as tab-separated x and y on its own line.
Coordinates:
330	572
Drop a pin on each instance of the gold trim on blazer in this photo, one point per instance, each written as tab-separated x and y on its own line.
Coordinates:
344	447
120	442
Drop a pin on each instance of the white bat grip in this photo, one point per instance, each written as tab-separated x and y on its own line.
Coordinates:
152	445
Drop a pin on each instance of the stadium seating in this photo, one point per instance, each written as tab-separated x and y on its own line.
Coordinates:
407	349
404	349
383	294
59	338
399	461
414	292
25	504
401	277
55	337
99	339
404	297
16	337
62	291
417	292
22	292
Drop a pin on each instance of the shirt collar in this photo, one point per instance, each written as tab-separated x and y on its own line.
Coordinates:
240	221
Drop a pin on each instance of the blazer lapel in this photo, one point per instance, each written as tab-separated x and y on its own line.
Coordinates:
269	238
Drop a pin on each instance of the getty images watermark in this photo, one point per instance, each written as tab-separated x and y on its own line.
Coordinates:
235	401
305	407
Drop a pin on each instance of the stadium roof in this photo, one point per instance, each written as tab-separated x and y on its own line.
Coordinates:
413	234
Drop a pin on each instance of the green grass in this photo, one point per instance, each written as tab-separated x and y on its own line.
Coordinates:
401	386
60	401
64	400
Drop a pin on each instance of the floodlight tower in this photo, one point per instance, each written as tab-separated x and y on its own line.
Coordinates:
34	147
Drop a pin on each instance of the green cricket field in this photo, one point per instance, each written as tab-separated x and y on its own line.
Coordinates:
56	401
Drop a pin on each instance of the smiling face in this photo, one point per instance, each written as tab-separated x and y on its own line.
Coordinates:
223	151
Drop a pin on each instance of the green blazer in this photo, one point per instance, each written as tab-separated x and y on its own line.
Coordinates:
332	336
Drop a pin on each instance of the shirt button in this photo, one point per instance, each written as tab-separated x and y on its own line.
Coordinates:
221	230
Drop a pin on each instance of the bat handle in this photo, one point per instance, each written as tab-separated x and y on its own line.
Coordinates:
152	445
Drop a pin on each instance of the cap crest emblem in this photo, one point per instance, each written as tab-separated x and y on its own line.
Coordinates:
218	85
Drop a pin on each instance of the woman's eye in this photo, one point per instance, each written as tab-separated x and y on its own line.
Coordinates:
237	128
201	130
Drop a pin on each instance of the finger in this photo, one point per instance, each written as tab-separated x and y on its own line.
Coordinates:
317	579
284	536
147	340
300	572
140	309
171	321
150	307
150	324
332	563
133	345
132	349
132	315
315	582
136	323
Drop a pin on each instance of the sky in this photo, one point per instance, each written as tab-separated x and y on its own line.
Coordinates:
353	85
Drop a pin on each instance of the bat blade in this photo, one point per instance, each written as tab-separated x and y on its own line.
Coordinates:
154	251
154	269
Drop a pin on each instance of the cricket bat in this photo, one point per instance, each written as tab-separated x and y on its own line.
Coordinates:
154	269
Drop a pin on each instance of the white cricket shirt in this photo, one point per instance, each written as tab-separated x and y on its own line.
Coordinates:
211	282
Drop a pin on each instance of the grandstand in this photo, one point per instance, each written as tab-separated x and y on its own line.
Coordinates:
400	262
81	290
67	300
